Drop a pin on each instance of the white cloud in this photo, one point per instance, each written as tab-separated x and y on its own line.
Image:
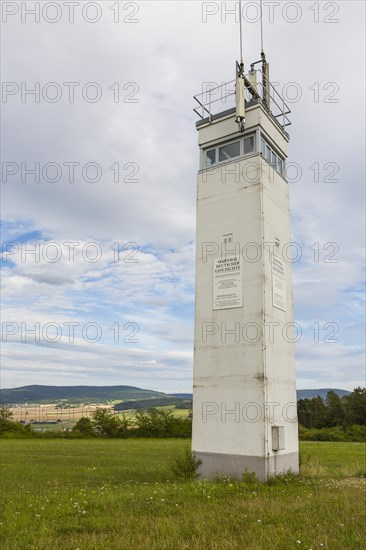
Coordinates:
170	54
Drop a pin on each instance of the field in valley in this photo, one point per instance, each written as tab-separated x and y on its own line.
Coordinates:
66	418
121	494
50	412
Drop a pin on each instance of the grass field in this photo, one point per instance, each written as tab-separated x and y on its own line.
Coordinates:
120	494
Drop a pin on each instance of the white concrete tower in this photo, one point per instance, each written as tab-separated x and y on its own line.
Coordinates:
244	396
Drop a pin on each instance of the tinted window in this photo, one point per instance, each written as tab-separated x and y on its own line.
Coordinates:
229	151
272	157
263	148
268	153
280	165
248	145
210	157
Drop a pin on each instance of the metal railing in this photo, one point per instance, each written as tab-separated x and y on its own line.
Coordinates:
214	100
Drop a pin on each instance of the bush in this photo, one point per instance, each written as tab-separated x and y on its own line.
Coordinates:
5	420
84	427
22	433
184	468
108	424
352	433
161	423
356	433
325	434
249	477
11	429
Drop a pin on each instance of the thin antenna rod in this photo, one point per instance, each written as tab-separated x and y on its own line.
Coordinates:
261	8
241	32
240	82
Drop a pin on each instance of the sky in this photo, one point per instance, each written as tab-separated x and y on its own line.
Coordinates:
99	165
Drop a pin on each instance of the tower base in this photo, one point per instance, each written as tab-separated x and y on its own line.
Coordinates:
220	464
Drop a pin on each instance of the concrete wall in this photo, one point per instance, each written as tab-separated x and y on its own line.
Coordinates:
237	375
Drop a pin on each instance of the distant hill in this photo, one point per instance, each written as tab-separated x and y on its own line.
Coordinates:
301	394
105	394
309	394
188	396
158	402
75	394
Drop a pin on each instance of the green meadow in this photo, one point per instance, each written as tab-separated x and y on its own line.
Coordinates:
106	494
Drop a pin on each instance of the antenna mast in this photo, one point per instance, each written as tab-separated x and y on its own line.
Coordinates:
240	85
241	33
266	96
265	66
261	12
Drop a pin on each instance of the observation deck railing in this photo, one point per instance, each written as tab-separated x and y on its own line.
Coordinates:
217	99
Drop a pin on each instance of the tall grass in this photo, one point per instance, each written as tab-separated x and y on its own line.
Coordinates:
121	494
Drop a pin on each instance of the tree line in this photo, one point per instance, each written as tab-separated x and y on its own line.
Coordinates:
105	423
145	423
334	418
334	410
